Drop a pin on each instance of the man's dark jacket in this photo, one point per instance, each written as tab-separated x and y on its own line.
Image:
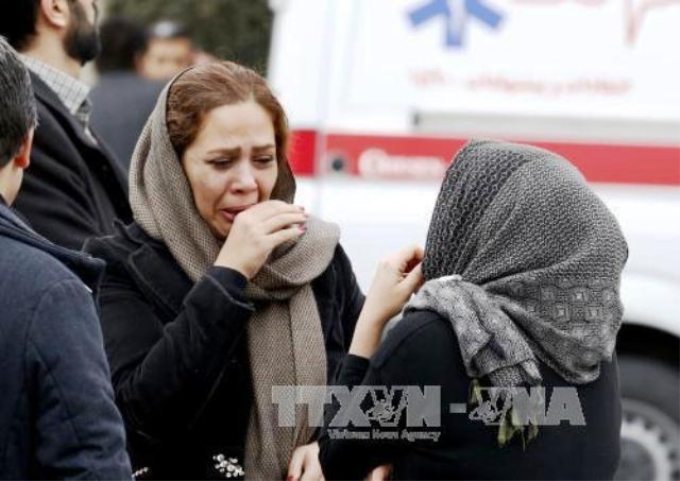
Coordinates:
74	188
58	419
121	103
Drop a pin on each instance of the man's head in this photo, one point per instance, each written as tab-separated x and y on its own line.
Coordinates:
29	24
170	51
124	42
18	119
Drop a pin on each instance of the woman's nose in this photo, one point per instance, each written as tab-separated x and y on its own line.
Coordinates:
245	178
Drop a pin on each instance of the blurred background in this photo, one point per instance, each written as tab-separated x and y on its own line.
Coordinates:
228	29
381	94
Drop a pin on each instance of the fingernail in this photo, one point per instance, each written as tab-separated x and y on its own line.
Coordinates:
303	227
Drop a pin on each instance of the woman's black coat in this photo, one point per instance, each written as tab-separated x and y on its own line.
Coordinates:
422	350
178	351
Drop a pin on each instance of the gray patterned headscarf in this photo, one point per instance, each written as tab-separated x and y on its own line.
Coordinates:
525	262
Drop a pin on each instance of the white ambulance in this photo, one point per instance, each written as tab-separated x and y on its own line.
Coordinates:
382	93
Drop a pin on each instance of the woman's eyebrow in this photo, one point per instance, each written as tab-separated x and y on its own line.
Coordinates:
228	152
263	148
237	150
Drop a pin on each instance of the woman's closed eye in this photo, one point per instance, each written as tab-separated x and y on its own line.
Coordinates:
264	160
221	162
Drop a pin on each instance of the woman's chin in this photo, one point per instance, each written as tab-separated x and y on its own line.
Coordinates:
220	231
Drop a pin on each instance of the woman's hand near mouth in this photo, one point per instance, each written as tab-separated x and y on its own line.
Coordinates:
256	232
231	212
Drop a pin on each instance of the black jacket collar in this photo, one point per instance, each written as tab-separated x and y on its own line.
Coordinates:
52	101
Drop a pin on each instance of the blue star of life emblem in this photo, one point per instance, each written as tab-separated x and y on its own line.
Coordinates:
455	27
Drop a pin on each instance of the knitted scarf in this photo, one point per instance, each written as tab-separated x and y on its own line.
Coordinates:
525	262
285	341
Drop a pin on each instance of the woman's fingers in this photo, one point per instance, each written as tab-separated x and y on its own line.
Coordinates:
311	471
399	264
283	220
412	256
264	211
417	257
304	464
414	279
295	465
256	232
410	252
406	258
381	473
284	235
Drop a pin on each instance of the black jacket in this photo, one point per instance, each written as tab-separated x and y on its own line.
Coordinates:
422	350
74	188
178	351
58	419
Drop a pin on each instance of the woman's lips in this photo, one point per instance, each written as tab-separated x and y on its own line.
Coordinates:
231	213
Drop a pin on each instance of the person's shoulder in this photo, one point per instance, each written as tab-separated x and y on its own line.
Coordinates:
39	295
117	247
416	324
418	331
51	133
29	258
47	120
46	100
28	270
125	239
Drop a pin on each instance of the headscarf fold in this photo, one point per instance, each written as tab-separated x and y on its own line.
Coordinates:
525	262
285	342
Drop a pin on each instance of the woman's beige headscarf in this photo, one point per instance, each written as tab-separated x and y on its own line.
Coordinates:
285	341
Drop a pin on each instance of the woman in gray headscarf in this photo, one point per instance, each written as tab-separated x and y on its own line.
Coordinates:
221	289
514	328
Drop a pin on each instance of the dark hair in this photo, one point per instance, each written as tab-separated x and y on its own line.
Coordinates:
206	87
122	41
17	103
17	22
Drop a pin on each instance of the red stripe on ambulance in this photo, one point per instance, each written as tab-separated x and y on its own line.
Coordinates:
426	158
